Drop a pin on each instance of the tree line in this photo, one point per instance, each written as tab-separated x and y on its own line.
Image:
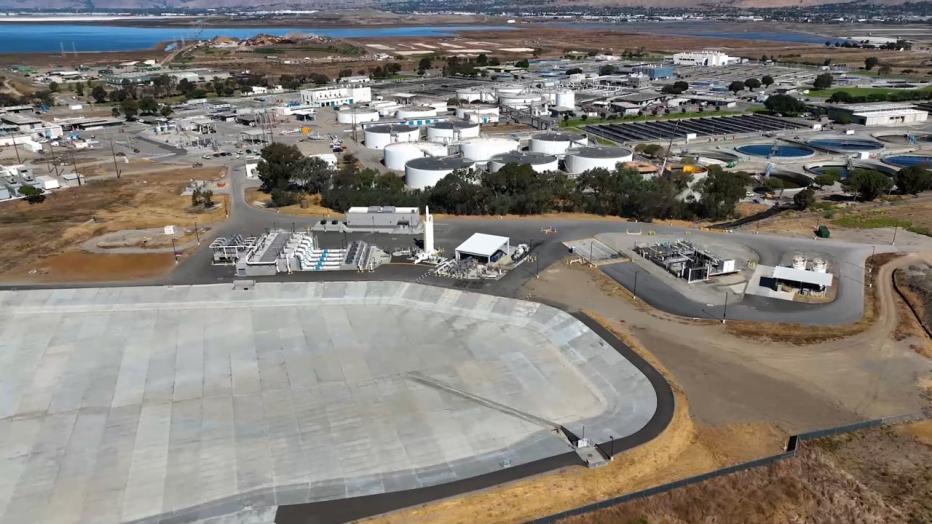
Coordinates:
515	189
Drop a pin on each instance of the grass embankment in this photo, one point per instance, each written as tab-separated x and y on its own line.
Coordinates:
866	91
578	122
880	219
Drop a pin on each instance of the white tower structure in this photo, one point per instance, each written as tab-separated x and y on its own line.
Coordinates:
428	232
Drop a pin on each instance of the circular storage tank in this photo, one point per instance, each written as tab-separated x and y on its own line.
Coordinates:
906	138
451	131
539	162
506	90
908	160
566	98
520	100
776	150
799	262
475	94
349	116
416	112
425	172
379	136
557	143
478	113
845	144
483	149
586	158
396	156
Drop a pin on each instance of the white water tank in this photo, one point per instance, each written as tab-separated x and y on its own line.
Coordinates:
452	131
509	89
557	143
819	265
521	100
378	136
799	262
397	155
586	158
482	149
425	172
416	112
565	98
539	162
358	116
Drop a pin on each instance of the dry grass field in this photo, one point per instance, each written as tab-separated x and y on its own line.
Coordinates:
42	239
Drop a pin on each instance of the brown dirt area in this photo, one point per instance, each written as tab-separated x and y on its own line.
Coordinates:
879	475
743	399
914	284
310	205
42	239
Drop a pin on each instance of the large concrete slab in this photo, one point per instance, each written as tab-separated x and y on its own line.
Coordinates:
125	404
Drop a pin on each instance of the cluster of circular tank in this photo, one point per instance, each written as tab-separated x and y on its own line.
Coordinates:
425	172
477	112
416	112
845	144
585	158
776	150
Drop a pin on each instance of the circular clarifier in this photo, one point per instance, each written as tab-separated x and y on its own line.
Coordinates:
909	160
843	145
776	151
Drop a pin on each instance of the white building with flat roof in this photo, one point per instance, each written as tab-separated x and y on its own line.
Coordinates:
704	58
880	113
483	246
336	96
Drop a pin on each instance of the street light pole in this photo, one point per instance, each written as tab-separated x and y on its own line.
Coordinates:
725	308
895	229
635	291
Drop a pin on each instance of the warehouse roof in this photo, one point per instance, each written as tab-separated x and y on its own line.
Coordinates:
482	245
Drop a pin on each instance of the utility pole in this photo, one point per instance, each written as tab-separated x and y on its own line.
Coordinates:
54	159
634	292
113	154
75	166
16	148
895	229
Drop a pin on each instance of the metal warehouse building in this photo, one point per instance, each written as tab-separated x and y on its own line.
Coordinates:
382	216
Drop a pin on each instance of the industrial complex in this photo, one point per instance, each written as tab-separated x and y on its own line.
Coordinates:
338	296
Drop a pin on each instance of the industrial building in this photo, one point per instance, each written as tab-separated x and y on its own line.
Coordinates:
336	96
684	260
486	248
803	276
281	251
704	58
382	217
879	113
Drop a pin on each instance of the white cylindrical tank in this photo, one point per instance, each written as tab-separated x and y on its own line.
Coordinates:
586	158
416	112
440	106
512	89
469	94
565	98
819	265
451	131
482	149
425	172
520	100
557	143
397	155
358	116
379	136
387	108
539	162
431	149
482	113
799	262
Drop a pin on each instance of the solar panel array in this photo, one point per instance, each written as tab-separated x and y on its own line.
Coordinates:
706	126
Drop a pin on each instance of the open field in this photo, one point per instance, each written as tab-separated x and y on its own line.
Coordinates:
48	249
877	475
310	207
